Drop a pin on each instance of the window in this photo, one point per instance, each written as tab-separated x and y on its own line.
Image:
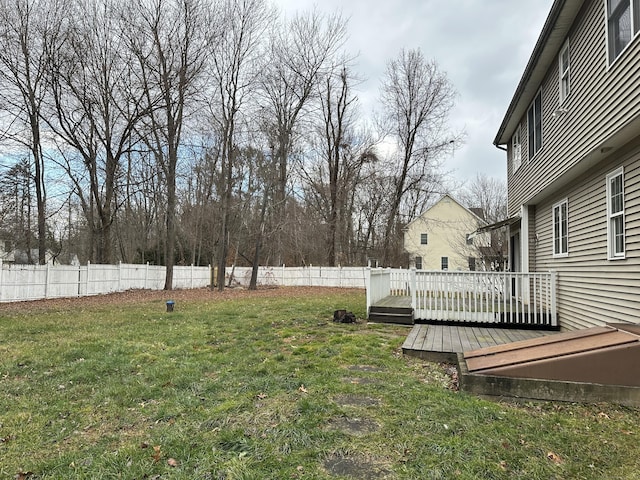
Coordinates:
565	72
469	239
419	263
623	22
444	263
472	264
424	239
516	150
615	214
560	229
534	125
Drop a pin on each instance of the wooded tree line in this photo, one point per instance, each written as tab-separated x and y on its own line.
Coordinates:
208	132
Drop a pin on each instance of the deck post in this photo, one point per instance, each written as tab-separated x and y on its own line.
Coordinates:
413	287
553	280
367	286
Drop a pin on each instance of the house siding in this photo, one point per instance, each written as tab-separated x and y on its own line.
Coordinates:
602	101
593	290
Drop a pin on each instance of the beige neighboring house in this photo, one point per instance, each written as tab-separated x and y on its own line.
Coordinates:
439	239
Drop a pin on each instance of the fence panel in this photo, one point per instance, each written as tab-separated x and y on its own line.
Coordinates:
32	282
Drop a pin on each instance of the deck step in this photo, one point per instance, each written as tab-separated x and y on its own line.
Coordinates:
403	316
392	310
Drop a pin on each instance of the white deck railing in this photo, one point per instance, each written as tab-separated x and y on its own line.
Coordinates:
482	297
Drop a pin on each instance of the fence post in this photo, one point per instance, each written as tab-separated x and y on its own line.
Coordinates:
46	282
282	282
414	290
88	274
1	268
192	276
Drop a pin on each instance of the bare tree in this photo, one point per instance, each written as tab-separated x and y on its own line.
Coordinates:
417	98
29	30
488	196
300	51
342	150
234	75
97	106
168	38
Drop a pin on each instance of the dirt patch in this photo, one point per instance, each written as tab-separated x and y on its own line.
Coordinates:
179	296
356	401
357	427
355	467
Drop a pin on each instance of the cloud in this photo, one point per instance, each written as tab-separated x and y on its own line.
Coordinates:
483	45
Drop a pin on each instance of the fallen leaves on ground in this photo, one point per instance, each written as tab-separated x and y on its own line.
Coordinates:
554	457
157	454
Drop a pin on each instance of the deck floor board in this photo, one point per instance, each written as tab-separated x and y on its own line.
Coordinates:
446	339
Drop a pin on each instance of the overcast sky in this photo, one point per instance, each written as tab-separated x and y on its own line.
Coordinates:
482	45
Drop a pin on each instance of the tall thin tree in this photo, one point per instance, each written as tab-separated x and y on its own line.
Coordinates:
169	39
29	30
416	97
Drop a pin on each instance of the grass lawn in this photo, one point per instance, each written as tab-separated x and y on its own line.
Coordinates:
265	386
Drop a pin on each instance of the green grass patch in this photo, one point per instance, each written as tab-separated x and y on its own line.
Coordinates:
269	388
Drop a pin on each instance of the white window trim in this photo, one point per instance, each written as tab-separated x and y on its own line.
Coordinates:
564	73
635	31
611	253
532	105
558	205
442	261
516	160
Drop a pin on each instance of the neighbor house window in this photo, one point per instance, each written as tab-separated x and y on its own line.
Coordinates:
516	150
424	239
444	263
469	239
472	264
419	263
534	125
623	22
615	214
560	229
565	72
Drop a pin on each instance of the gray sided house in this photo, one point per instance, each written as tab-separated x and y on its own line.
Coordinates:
572	136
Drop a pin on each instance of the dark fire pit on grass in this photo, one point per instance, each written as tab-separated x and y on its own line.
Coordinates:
342	316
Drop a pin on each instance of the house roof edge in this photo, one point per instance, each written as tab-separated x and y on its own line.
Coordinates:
534	65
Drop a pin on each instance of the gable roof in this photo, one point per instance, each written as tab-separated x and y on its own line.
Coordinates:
446	195
554	33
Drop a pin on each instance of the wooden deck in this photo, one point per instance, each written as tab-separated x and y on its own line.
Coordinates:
394	302
442	343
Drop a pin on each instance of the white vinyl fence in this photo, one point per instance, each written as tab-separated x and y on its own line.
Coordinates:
34	282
